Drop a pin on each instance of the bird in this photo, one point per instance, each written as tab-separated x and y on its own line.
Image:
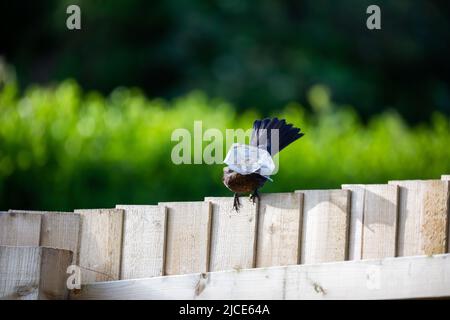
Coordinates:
249	166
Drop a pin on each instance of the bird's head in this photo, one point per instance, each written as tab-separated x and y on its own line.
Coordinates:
227	170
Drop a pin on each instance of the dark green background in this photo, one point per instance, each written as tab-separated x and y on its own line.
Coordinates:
375	105
260	54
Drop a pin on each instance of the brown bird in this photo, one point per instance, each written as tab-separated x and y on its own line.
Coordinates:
250	166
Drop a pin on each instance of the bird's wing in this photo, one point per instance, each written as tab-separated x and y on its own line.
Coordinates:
245	159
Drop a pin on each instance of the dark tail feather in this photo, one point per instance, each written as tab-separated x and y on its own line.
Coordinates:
262	134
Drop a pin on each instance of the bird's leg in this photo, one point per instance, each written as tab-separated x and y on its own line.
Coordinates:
254	196
236	202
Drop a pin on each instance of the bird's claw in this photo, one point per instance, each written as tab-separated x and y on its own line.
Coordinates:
236	202
254	196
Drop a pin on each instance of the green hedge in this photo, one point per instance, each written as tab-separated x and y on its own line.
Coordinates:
63	149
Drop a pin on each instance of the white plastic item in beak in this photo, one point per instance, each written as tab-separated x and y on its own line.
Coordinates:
245	159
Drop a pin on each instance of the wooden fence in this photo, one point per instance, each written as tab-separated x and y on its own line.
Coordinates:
298	241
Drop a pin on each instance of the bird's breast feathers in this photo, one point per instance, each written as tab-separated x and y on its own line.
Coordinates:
245	159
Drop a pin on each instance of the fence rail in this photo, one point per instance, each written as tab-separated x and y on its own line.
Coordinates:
305	227
390	278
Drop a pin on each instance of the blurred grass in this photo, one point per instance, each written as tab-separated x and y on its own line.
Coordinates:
62	149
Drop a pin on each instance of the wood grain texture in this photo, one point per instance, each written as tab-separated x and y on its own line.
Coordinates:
233	238
61	230
446	177
423	216
31	273
100	244
143	241
355	238
390	278
325	225
20	273
58	229
279	221
53	273
373	221
188	237
19	229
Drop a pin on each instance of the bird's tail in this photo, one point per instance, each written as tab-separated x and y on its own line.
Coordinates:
262	134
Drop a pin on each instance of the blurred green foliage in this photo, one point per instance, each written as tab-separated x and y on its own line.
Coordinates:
255	55
63	149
